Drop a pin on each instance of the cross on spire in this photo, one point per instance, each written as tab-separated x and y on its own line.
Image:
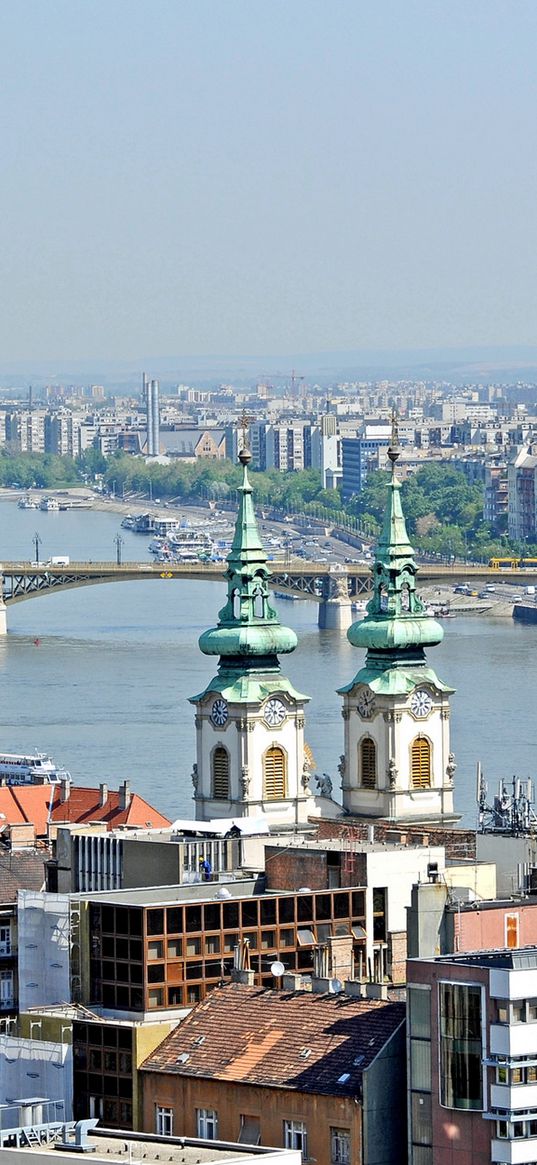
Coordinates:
394	449
244	424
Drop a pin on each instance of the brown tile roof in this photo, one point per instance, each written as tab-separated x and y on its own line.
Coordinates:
21	870
279	1039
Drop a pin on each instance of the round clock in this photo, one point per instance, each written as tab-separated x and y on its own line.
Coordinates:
366	703
219	712
274	713
421	703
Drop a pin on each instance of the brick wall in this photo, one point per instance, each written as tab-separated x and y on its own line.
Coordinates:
458	843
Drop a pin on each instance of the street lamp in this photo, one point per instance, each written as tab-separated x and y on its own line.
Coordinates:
119	543
37	544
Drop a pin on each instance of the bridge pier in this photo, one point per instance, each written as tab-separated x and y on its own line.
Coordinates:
334	614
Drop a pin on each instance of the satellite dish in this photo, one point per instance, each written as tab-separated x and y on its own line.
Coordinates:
277	969
336	986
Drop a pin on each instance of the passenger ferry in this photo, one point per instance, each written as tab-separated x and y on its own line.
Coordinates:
49	504
30	769
27	503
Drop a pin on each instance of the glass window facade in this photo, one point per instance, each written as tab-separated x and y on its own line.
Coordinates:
461	1072
172	957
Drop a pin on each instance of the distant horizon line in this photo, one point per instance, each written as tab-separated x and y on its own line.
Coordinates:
358	363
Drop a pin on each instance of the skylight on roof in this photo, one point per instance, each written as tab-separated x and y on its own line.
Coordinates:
183	1058
344	1079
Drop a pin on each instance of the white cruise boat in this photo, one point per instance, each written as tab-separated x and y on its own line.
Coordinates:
30	769
49	504
27	503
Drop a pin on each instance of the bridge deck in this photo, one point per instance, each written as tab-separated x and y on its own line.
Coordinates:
317	581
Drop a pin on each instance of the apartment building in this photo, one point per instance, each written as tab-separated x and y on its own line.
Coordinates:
472	1058
522	490
320	1073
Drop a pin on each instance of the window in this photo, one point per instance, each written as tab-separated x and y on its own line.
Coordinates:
340	1146
518	1128
502	1011
368	763
420	763
6	989
155	949
419	1001
295	1136
250	1130
502	1075
420	1064
511	930
274	774
519	1012
461	1073
163	1121
531	1074
207	1124
5	939
501	1128
221	773
532	1011
517	1075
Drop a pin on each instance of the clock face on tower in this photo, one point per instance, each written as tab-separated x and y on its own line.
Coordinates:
274	713
366	703
421	703
219	712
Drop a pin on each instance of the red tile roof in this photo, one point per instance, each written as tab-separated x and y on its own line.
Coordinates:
297	1040
40	804
83	805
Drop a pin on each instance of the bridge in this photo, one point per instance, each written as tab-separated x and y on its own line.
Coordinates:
333	586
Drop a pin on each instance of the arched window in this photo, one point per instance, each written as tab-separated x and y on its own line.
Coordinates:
368	763
236	603
420	763
220	773
259	603
274	774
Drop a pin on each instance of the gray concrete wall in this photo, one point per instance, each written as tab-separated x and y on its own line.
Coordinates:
426	935
384	1105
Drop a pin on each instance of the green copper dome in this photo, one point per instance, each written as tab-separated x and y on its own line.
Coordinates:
249	633
397	627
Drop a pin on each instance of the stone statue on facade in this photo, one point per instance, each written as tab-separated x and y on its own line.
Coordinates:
324	785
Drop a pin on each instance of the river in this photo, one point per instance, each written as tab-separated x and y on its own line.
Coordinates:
100	677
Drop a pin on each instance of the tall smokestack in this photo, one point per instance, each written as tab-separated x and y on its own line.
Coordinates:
155	418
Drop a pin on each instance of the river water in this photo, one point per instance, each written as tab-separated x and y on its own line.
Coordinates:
100	677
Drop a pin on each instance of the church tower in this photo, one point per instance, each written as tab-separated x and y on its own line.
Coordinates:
250	754
397	762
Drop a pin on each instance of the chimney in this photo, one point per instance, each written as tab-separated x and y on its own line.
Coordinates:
103	794
246	977
125	795
65	789
376	990
292	982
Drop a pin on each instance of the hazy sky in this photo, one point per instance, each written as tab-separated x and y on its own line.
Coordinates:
261	176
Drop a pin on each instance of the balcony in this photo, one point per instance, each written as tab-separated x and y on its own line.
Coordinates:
518	1039
520	1152
518	1098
